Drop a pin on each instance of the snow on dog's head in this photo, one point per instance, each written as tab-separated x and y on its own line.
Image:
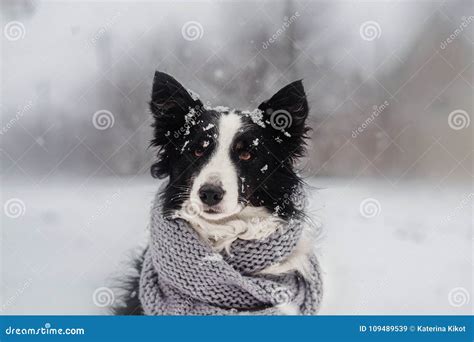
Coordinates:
220	160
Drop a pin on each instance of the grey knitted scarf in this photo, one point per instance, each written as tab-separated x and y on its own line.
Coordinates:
182	275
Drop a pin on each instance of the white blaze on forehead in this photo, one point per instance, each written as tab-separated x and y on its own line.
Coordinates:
220	162
229	125
220	170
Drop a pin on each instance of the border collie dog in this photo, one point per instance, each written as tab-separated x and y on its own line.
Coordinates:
230	173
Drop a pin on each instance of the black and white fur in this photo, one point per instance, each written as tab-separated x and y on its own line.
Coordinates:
230	172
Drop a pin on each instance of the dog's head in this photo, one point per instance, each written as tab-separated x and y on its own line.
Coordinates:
220	160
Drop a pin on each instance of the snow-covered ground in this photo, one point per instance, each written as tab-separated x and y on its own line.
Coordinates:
414	256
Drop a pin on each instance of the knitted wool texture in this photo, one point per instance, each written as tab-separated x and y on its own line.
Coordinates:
182	275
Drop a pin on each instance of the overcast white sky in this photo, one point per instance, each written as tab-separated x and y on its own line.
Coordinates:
57	34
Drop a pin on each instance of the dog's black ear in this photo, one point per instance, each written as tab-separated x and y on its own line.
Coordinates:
170	98
285	116
287	110
170	103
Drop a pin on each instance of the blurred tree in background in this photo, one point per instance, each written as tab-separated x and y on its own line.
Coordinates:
379	107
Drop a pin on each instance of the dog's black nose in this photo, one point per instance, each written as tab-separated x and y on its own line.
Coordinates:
211	194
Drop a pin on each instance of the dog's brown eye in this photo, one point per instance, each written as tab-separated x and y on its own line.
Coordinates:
198	152
245	155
